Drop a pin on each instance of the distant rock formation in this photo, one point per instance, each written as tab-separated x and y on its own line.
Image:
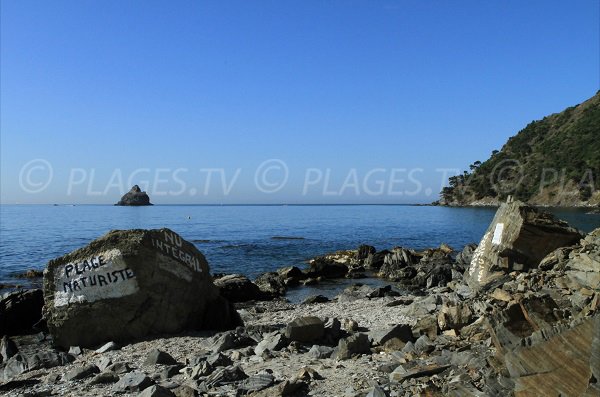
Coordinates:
135	197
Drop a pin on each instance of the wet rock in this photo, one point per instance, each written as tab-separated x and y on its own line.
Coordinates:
271	284
135	197
326	268
272	342
82	372
520	236
257	382
315	299
320	352
305	329
20	311
126	285
351	346
133	382
8	348
156	391
159	357
238	288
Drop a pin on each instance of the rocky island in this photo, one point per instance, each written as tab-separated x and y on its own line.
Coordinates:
135	197
518	314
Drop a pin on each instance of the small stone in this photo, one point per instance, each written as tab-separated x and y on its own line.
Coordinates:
82	372
218	360
156	391
105	378
353	345
159	357
75	350
133	382
110	346
320	352
119	368
308	374
104	363
305	329
272	341
377	391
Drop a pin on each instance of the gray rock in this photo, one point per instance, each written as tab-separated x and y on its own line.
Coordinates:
159	357
518	235
271	284
8	348
135	197
257	382
353	345
305	329
424	345
238	288
315	299
107	347
377	391
224	376
218	360
128	284
272	341
103	363
402	332
320	352
75	350
454	316
20	310
133	382
21	362
119	368
229	340
104	378
82	372
156	391
170	371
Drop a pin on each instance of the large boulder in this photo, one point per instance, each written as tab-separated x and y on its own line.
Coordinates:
20	311
238	288
135	197
518	238
128	284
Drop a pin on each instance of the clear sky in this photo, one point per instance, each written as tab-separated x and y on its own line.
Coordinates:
349	97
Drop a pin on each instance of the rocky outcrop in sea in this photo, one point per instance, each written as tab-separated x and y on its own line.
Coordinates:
529	327
134	197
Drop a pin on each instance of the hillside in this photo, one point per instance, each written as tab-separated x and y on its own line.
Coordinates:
554	161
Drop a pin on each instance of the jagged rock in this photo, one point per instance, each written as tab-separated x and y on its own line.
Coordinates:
133	382
20	311
257	382
423	345
118	368
21	362
8	348
156	391
272	341
159	357
291	275
305	329
238	288
82	372
134	197
454	316
185	391
308	374
377	391
326	268
401	374
224	376
352	345
382	292
364	251
320	352
394	337
229	340
466	255
128	284
104	378
218	360
75	350
519	237
271	284
563	360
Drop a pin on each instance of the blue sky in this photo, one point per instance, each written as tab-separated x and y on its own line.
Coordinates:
100	89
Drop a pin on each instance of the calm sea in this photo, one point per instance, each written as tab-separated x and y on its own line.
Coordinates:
241	238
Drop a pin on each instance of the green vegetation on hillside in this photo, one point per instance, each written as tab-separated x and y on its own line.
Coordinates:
560	150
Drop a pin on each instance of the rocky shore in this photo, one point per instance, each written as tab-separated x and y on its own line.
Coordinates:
517	314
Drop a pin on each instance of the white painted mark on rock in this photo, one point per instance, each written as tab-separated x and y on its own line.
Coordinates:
498	231
103	276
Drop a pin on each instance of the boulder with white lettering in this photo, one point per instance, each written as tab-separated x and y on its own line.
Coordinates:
518	238
128	284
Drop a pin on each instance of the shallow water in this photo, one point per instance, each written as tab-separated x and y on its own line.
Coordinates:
245	239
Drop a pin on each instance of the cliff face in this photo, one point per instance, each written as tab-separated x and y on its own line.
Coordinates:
554	161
